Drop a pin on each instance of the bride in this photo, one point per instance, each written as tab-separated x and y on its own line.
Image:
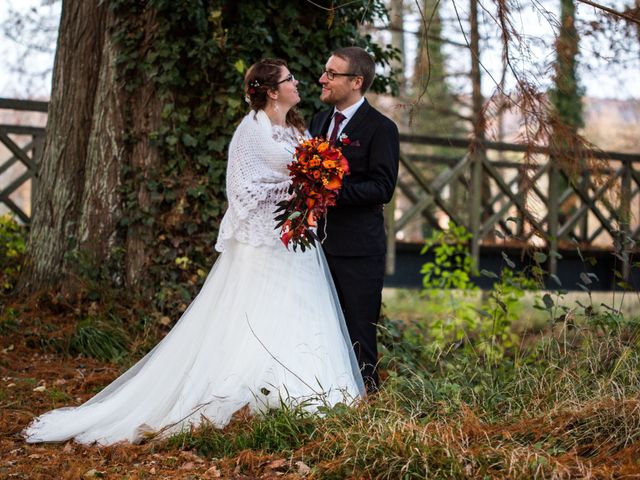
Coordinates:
265	329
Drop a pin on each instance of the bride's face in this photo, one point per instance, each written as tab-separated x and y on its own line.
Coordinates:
287	89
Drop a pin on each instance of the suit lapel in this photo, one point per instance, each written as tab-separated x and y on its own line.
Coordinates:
357	118
325	124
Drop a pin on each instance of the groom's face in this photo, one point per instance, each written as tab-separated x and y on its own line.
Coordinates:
342	90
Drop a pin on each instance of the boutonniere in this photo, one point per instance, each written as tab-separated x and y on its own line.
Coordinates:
345	140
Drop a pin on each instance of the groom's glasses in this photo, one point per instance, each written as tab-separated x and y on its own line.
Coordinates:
331	75
288	78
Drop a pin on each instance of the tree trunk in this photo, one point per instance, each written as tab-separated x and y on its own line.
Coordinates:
480	180
566	97
396	17
102	205
80	203
145	107
58	202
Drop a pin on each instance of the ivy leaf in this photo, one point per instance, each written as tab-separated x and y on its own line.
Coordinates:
240	66
189	140
217	145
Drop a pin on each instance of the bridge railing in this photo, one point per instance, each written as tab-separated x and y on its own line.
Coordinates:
25	145
516	195
502	193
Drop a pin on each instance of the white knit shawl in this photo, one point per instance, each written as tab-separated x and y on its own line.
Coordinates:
257	178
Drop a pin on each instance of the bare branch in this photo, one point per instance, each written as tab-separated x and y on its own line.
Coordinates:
611	11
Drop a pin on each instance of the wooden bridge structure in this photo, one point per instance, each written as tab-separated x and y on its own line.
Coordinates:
514	200
25	144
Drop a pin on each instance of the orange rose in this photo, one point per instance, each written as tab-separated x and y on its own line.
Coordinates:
323	147
330	164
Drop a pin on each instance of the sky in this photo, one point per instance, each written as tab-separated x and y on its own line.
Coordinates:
599	74
26	73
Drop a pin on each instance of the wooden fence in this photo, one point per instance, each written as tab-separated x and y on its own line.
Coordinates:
27	153
489	189
517	202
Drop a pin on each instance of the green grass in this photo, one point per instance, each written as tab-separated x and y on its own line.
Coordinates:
104	340
280	430
561	404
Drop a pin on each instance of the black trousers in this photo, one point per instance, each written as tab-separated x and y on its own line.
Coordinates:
359	283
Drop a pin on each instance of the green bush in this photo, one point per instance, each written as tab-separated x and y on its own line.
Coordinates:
13	238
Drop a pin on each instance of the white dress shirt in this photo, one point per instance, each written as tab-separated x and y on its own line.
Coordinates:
348	113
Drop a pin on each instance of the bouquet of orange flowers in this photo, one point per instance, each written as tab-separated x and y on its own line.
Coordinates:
316	174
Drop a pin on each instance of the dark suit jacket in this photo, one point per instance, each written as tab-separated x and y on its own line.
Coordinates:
355	226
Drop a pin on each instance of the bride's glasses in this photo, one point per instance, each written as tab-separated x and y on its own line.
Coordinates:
288	78
331	75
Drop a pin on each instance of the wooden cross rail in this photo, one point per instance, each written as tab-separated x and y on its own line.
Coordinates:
28	153
528	203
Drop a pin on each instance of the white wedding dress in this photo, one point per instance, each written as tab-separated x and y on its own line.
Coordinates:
266	328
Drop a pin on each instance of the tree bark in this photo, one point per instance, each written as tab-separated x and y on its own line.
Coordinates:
80	200
58	202
102	205
145	111
396	22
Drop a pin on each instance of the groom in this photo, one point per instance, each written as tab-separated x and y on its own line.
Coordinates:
355	243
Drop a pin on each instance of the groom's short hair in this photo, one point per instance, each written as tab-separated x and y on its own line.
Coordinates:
360	63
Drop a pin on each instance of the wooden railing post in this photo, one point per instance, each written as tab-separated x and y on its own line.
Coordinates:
583	233
552	216
625	217
476	202
390	222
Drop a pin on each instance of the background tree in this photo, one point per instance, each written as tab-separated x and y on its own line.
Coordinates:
433	113
566	96
145	98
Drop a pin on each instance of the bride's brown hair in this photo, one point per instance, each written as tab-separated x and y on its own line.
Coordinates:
263	76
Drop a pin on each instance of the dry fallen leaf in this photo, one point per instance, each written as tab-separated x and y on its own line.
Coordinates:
276	464
213	472
303	468
191	456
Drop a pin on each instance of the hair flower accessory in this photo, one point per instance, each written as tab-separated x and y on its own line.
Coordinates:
253	84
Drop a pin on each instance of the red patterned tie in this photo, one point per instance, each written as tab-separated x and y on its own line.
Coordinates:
337	120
